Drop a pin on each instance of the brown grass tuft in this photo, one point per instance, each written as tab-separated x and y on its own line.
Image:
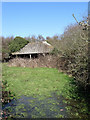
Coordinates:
47	61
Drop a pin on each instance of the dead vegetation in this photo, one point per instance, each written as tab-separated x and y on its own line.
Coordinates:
47	61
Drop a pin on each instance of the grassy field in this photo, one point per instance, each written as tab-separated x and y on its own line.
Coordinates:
34	82
41	88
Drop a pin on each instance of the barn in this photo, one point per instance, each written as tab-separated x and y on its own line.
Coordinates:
34	49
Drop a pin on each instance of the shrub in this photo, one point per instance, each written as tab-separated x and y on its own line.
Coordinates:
5	47
74	48
17	44
55	52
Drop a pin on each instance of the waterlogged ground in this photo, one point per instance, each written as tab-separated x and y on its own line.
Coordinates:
39	93
29	107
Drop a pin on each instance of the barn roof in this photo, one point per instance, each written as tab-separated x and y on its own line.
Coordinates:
35	47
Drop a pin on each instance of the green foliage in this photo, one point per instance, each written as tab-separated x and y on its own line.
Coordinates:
5	47
40	83
10	45
17	44
55	51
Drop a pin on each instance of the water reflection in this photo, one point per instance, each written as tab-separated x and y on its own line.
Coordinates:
30	107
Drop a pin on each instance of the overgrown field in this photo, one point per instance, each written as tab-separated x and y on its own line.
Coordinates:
43	92
34	81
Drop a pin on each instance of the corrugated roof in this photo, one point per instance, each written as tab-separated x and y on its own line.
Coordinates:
35	47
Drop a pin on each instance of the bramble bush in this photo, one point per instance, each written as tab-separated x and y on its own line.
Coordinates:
73	53
74	47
